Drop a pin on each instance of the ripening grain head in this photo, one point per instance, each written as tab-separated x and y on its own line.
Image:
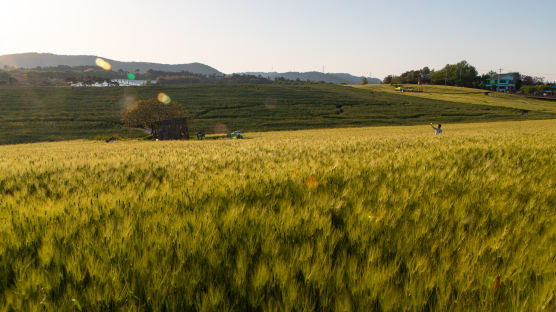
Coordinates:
352	219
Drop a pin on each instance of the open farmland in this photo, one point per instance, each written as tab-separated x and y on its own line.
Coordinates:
32	114
367	219
469	96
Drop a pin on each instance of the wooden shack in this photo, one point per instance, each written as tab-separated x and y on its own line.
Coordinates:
172	129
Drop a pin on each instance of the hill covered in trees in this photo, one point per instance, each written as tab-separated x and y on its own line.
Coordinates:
317	76
64	75
34	60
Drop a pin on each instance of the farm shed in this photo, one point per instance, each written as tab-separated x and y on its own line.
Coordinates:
172	129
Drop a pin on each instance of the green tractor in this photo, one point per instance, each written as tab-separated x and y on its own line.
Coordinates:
236	134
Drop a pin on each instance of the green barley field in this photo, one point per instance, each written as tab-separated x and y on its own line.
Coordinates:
356	219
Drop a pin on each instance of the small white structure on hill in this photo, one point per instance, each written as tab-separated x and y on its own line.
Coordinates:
131	83
115	83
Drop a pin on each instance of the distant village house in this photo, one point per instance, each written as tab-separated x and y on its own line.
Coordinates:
503	82
115	83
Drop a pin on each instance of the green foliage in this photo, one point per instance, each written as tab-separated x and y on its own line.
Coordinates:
534	89
364	81
32	114
145	113
63	75
529	80
409	77
366	219
58	76
460	74
176	79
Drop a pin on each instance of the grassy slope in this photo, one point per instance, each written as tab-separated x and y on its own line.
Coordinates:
364	219
471	96
58	113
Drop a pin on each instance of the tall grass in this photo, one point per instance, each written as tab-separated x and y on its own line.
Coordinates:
371	219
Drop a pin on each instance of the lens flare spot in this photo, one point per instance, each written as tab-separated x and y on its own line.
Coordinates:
311	182
127	101
103	64
130	76
163	98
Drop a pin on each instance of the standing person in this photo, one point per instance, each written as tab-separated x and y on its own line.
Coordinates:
438	130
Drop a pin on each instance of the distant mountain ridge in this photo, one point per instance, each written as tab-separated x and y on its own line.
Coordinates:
33	60
317	76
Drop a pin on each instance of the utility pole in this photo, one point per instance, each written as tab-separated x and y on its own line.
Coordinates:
323	69
498	79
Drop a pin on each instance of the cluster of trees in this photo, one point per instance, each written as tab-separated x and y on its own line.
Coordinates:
63	75
530	80
460	74
227	79
56	76
297	81
463	74
537	89
411	76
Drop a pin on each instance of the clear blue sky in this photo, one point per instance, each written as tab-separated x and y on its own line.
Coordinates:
358	37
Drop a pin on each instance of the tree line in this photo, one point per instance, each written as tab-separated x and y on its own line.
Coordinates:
463	74
64	75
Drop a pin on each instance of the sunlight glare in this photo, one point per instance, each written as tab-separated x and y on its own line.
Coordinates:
103	64
162	97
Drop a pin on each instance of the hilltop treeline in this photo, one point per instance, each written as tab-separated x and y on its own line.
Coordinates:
64	75
188	78
461	74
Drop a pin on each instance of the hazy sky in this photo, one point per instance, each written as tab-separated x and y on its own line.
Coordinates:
358	37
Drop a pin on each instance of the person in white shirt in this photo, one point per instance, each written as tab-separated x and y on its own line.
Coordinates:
438	130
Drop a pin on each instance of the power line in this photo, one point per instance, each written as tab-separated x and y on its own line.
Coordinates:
498	79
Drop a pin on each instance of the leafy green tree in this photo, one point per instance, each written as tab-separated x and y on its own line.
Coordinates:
460	74
146	113
364	81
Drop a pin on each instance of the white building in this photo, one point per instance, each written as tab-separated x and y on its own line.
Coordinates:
115	83
129	82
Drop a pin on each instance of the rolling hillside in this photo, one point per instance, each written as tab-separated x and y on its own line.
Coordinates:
469	96
32	60
31	114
